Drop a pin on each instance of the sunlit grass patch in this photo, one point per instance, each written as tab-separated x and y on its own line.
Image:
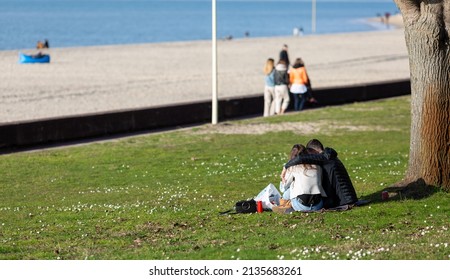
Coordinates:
158	196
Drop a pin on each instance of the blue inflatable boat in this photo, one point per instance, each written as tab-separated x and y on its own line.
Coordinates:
38	58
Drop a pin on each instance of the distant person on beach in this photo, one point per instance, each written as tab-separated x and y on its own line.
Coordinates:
285	56
387	15
42	45
269	89
299	83
281	78
297	31
38	55
381	17
39	45
335	179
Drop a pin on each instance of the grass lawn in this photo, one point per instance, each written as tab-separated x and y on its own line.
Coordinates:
158	196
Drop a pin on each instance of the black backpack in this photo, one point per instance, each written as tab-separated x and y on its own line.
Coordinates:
243	206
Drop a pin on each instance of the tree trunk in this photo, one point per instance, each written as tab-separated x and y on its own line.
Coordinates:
427	26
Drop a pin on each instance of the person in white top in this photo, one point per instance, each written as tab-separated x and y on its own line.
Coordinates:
281	79
303	185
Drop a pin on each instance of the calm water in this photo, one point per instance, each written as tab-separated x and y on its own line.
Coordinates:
104	22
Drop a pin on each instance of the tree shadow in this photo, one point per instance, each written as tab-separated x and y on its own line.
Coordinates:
413	190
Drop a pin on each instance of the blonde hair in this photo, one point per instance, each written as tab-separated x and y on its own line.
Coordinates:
269	66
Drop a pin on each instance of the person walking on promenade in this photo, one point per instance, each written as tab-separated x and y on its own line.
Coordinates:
281	78
299	83
269	89
285	56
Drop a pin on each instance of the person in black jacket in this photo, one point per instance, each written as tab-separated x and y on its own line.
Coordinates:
335	179
285	56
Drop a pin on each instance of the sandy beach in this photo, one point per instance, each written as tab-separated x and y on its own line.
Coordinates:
105	78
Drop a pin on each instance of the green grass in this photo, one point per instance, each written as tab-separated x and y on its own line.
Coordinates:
158	196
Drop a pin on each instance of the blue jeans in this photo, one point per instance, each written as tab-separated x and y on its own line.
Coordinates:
299	101
298	206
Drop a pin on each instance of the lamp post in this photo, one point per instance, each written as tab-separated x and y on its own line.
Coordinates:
214	113
313	16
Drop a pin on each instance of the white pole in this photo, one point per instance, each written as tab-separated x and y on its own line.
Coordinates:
214	114
313	16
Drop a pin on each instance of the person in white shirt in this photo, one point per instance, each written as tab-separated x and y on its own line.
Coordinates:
281	79
303	185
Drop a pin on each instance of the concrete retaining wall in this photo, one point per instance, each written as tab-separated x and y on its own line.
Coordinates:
53	131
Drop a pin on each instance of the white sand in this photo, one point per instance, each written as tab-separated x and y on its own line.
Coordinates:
99	79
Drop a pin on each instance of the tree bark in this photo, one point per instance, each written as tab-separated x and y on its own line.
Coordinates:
427	26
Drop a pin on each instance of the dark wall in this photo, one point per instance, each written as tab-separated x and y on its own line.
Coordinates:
58	130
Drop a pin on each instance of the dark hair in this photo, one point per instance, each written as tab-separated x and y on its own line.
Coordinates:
315	145
307	151
296	150
299	63
282	61
311	151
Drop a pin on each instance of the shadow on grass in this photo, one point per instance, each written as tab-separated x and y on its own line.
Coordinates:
415	190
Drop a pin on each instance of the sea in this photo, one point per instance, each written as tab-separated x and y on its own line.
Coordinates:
70	23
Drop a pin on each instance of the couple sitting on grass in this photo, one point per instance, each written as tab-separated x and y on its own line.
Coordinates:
314	178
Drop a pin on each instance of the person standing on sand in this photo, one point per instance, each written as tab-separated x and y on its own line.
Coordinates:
386	16
281	79
269	89
299	81
285	56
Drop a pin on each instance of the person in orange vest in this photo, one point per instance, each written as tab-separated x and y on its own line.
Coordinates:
299	84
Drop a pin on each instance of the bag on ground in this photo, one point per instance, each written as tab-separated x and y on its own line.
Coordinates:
269	197
246	206
242	207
